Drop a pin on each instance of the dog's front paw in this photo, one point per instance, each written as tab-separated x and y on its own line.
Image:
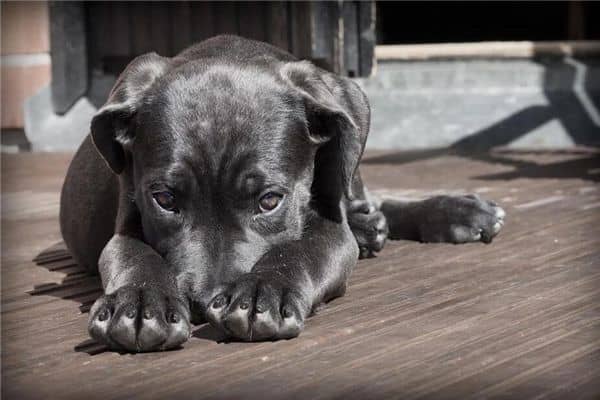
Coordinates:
258	307
369	227
460	219
139	320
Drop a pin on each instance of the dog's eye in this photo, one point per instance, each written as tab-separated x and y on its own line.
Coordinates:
269	201
166	200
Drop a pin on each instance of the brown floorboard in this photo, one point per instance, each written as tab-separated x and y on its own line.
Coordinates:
518	319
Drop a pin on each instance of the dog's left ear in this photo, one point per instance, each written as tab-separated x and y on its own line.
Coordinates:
337	113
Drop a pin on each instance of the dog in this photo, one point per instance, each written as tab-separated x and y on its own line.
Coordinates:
222	186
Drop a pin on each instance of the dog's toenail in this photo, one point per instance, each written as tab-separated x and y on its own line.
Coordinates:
500	213
103	315
148	314
131	314
244	305
497	227
174	318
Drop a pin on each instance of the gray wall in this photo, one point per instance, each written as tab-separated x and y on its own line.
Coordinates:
478	104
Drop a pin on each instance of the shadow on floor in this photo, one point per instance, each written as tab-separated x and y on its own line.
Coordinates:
77	285
586	168
583	163
84	288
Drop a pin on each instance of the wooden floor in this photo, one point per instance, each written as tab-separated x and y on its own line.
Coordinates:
517	319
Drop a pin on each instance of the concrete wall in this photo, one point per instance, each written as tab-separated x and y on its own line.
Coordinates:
478	104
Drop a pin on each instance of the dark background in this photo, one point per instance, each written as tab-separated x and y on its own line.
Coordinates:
441	22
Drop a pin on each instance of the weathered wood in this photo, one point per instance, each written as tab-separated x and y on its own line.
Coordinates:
226	17
160	21
69	57
351	39
300	29
203	21
120	31
180	26
325	35
252	20
519	318
366	22
279	23
140	28
120	35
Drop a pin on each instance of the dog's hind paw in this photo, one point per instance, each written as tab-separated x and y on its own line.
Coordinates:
460	219
139	320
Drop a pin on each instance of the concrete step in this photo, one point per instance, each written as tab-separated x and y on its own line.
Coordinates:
478	104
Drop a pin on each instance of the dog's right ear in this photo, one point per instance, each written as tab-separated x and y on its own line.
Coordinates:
112	127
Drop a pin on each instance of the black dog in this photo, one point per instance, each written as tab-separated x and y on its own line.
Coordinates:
222	185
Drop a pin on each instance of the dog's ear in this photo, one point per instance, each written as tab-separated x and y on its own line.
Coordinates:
337	113
112	127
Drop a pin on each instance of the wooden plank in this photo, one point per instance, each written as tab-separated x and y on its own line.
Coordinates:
160	20
69	54
366	23
181	26
278	33
202	20
351	39
100	17
252	20
301	29
516	319
140	29
225	16
121	39
326	46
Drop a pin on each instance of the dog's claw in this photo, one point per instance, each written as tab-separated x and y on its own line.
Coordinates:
369	227
162	322
261	308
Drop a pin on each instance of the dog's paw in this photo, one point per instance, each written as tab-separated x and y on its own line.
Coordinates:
460	219
258	307
139	320
369	227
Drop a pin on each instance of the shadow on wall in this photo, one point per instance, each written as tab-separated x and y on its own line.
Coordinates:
573	100
569	102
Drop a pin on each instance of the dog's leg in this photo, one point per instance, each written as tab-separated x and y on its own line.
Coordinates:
141	309
452	219
273	300
367	223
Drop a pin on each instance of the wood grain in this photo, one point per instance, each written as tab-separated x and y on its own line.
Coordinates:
518	319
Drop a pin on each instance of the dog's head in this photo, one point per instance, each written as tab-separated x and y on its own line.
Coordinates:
226	160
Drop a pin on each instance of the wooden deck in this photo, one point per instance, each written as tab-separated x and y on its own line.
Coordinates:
516	319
